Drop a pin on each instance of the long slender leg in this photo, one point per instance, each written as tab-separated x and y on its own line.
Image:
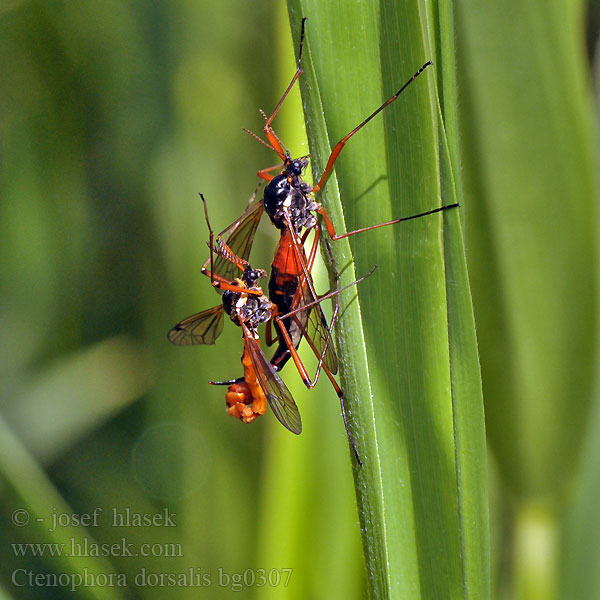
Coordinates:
344	415
269	339
329	294
268	130
211	240
310	385
334	236
340	145
245	225
216	280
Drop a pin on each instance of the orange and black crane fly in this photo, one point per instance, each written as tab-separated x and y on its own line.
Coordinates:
243	300
247	306
292	306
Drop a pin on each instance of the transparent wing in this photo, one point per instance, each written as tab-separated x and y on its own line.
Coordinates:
314	327
279	397
239	236
202	328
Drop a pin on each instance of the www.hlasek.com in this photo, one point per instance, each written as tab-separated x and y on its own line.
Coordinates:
85	547
192	577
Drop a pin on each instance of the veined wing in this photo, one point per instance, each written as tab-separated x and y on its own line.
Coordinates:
279	397
313	325
202	328
239	237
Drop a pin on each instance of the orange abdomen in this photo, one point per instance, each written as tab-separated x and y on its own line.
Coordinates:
246	400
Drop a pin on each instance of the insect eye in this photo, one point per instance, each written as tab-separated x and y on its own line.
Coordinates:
251	276
296	166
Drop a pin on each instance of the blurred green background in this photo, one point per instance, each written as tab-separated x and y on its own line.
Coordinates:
113	117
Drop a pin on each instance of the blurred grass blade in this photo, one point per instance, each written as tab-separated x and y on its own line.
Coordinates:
580	573
580	577
529	161
409	362
35	494
77	394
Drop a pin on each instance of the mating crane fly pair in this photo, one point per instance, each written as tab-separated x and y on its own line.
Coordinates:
292	306
247	306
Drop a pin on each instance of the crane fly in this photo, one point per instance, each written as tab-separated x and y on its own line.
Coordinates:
288	200
298	311
247	306
290	287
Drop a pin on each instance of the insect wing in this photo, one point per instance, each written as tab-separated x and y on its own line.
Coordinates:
320	333
202	328
239	237
313	325
280	399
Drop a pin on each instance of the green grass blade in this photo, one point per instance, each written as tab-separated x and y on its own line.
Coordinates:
532	231
530	168
33	493
580	577
409	361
